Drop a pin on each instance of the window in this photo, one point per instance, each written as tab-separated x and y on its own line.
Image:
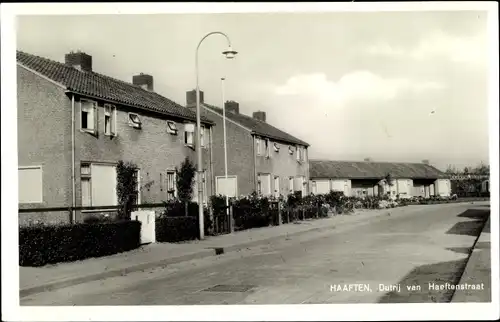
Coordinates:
98	185
85	175
109	120
290	150
290	184
134	120
268	148
277	186
30	185
313	187
171	185
171	128
300	155
88	116
205	136
276	147
264	184
189	134
260	146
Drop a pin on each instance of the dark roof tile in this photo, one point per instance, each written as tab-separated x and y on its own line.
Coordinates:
259	127
104	87
372	170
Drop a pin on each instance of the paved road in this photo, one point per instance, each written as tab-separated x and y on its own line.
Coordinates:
409	247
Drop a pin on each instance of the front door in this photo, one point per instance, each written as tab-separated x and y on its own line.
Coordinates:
276	186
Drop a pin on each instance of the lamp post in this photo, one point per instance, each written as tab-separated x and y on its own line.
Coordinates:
229	53
225	142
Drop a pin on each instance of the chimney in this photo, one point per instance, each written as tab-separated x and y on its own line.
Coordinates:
191	98
368	159
260	115
426	162
143	80
232	107
79	60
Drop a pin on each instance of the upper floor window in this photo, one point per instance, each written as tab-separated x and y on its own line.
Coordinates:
189	134
300	153
134	120
268	148
260	146
88	117
109	119
171	128
205	136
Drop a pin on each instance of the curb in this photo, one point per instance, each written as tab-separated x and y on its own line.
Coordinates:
211	251
469	256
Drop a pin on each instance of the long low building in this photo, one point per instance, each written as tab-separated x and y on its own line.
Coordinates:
366	178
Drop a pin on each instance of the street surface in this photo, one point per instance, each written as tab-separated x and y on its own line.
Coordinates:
393	259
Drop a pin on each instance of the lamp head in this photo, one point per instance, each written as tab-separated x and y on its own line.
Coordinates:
229	53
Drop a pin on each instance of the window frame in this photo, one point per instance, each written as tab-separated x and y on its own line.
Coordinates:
112	124
170	130
174	181
267	146
191	145
131	123
93	117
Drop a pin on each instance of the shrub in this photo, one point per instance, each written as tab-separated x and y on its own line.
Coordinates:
185	177
126	188
252	212
171	227
175	229
40	245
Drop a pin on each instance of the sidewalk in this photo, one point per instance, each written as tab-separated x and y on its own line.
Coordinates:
40	279
477	271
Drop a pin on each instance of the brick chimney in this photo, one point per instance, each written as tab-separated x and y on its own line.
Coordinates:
191	98
232	107
426	162
143	80
79	60
260	115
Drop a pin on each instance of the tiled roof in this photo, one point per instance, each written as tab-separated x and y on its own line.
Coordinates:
372	170
104	87
258	127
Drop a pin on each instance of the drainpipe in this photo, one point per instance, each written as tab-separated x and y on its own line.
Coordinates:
212	174
254	163
73	188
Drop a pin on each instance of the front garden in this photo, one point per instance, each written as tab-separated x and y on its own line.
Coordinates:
178	221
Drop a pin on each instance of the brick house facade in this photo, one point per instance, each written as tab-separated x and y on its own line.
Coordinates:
260	157
113	121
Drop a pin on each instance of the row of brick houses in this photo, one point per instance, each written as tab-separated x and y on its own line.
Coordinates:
75	125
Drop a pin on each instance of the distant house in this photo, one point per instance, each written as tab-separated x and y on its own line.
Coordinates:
366	178
261	157
74	125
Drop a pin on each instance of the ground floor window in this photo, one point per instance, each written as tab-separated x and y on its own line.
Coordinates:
171	185
30	188
98	185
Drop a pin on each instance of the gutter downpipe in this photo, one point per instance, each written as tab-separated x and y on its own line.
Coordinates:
254	163
73	179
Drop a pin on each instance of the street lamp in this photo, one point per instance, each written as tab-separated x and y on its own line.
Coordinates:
230	54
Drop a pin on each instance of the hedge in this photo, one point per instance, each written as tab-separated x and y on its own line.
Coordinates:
174	226
40	245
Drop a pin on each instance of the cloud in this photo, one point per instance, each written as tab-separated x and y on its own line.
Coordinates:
355	86
467	49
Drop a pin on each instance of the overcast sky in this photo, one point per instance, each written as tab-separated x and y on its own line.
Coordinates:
393	86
